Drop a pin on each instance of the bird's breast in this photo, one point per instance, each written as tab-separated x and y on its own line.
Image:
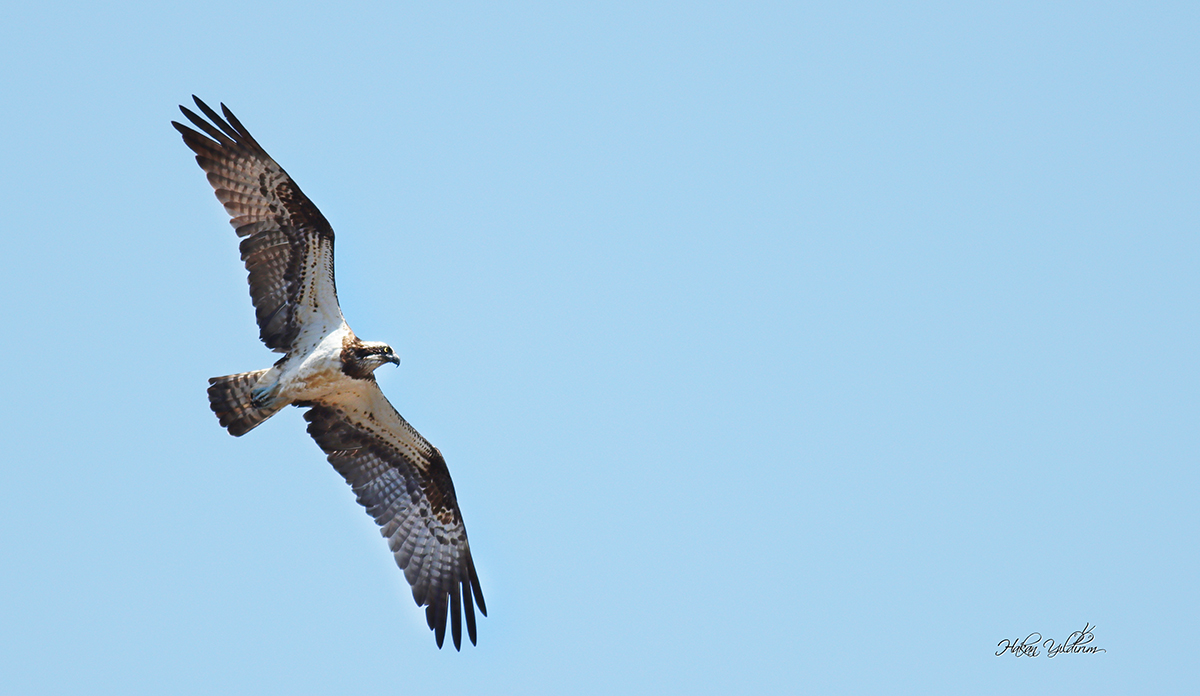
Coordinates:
315	373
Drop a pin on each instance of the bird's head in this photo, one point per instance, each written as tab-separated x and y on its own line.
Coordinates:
363	357
376	353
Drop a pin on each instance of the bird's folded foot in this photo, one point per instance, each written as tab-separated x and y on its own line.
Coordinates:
263	397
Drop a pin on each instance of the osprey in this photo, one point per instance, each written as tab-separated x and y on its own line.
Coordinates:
399	477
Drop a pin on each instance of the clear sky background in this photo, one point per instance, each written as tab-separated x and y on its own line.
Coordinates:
774	348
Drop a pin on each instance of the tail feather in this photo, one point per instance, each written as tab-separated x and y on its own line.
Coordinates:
230	398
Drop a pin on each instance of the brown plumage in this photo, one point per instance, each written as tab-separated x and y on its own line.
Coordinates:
399	477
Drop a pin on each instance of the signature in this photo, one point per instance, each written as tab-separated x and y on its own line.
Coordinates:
1033	644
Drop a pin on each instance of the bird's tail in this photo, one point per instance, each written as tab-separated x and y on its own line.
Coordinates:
232	398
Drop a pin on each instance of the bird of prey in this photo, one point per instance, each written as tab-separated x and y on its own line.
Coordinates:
401	479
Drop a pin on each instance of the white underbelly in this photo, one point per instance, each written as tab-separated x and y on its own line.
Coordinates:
316	374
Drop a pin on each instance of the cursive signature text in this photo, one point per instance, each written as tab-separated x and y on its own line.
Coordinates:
1032	644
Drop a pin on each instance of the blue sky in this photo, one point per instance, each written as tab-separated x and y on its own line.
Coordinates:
773	348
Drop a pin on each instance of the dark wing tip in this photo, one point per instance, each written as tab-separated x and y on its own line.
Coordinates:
219	136
476	589
455	616
208	110
227	131
447	606
435	616
237	125
469	610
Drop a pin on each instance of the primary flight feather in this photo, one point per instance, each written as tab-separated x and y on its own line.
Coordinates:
399	477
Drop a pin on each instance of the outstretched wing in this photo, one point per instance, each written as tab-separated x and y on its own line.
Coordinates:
403	482
288	245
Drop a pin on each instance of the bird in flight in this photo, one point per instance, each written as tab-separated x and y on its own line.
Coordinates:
401	479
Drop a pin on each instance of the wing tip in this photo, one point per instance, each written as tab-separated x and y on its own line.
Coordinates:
448	607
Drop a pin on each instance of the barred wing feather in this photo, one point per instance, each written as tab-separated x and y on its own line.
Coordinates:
404	484
288	245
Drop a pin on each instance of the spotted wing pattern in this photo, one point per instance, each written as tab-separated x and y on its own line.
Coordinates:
288	245
404	484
